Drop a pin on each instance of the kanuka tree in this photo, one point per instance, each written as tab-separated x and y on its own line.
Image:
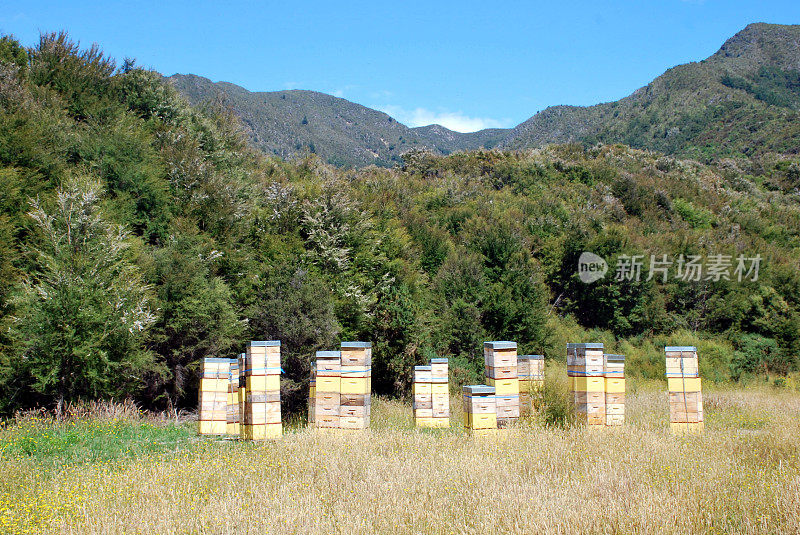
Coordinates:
79	318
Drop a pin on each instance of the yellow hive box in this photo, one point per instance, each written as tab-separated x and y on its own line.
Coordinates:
504	386
482	421
354	385
686	428
421	388
421	421
587	384
267	431
677	384
441	423
213	427
328	384
213	385
615	385
232	429
440	388
263	383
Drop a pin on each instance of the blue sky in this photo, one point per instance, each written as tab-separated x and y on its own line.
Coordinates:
466	65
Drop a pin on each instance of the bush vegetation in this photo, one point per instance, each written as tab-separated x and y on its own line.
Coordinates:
139	234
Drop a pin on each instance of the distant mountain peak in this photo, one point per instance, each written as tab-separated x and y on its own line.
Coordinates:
742	100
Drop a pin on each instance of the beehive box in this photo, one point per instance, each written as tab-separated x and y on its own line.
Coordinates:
479	409
614	375
530	370
327	390
685	392
262	417
242	394
500	360
356	385
585	377
232	424
440	392
213	402
422	391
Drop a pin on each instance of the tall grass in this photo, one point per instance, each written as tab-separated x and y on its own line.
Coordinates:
741	476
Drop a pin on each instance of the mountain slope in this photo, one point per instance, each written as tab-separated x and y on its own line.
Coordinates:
286	123
743	100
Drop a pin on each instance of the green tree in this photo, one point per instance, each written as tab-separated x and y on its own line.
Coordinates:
79	318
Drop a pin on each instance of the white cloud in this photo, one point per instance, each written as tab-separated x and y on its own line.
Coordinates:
457	121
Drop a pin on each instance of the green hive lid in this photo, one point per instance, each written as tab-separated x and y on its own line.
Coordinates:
479	389
265	343
356	345
439	361
500	345
680	348
590	345
329	354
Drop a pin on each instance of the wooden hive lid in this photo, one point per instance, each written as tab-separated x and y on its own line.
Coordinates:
265	343
502	344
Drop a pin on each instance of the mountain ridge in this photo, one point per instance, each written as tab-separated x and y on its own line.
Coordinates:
741	101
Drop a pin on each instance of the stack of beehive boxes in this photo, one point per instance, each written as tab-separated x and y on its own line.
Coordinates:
614	374
262	410
431	393
242	361
312	393
530	369
422	390
214	396
440	392
585	366
356	385
500	359
685	395
480	409
232	426
327	389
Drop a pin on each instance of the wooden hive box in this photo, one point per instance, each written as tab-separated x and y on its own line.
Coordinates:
685	389
356	385
213	394
480	408
586	381
614	375
440	392
500	363
232	424
328	389
262	379
242	394
422	391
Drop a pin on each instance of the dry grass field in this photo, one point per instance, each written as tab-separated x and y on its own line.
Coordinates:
132	474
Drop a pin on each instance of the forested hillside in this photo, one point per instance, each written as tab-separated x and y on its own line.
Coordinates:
139	234
741	101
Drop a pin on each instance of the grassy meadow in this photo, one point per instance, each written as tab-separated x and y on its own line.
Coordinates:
115	470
